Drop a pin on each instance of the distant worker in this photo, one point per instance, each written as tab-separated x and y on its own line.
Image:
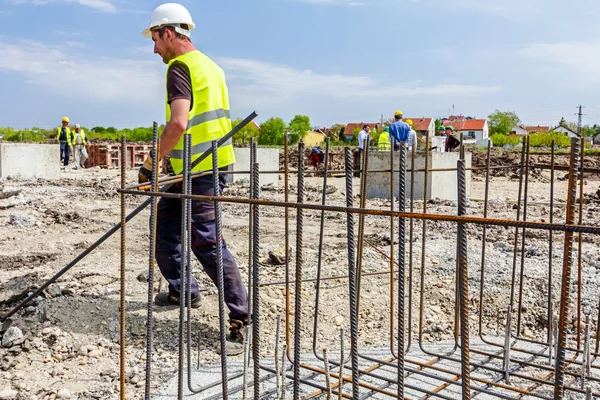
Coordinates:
363	135
197	104
383	144
412	137
80	144
451	141
316	157
399	130
441	130
63	135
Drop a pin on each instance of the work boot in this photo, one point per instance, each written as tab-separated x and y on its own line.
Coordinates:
166	299
235	339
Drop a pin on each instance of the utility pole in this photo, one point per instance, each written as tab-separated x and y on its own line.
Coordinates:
579	115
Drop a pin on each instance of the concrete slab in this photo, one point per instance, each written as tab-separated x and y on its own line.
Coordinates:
425	373
441	184
268	160
29	161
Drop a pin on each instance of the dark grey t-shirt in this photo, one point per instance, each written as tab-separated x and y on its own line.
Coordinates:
179	84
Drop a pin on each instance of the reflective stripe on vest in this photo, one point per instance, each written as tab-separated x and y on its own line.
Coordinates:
209	115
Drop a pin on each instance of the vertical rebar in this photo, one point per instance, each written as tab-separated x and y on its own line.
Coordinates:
277	370
246	343
550	249
361	220
566	278
342	355
256	285
250	220
283	373
514	268
220	284
184	286
122	303
586	365
401	266
484	236
506	363
153	208
423	239
464	283
580	244
523	234
410	248
299	260
320	251
352	279
327	375
286	229
392	254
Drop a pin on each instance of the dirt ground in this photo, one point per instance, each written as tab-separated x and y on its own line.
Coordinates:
70	342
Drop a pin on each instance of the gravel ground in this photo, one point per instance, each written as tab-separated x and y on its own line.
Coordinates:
68	346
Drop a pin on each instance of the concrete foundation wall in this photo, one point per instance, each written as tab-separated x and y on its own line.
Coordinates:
28	160
268	160
441	184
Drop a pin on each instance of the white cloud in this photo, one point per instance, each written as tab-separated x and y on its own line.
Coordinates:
581	58
101	5
273	84
105	79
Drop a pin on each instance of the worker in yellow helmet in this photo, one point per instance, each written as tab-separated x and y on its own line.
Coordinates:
63	135
399	130
197	104
412	137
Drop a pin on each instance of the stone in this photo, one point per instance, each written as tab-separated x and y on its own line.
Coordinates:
8	394
22	220
64	394
95	354
339	320
54	291
58	357
13	336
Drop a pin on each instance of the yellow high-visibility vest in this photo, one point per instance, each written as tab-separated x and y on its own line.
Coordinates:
208	118
384	141
68	131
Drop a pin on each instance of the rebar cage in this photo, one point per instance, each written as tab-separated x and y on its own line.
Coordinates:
558	363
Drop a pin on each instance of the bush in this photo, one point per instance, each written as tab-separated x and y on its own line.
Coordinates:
498	139
544	139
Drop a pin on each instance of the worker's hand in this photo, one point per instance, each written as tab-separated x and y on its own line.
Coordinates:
145	172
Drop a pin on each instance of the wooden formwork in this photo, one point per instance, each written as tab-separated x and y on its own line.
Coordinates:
106	155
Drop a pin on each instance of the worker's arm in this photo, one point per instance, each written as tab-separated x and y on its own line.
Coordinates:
175	127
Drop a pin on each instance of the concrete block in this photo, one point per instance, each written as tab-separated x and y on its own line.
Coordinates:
28	160
441	184
268	160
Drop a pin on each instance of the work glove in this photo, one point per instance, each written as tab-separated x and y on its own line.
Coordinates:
145	172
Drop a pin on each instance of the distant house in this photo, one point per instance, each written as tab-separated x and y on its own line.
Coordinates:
314	138
536	129
596	139
565	130
472	129
423	125
351	127
519	131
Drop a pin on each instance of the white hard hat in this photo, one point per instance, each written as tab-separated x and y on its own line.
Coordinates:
171	14
77	126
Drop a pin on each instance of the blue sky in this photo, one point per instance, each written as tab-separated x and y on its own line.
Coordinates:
337	61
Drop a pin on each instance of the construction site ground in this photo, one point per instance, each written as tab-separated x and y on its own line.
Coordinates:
70	343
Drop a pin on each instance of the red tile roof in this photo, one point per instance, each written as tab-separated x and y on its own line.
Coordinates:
420	124
467	124
351	126
532	129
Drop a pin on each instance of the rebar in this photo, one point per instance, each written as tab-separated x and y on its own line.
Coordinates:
464	284
352	279
327	374
299	261
151	251
256	284
122	300
401	269
566	278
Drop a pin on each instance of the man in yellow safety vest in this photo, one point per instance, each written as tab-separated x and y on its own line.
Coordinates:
63	135
383	143
197	104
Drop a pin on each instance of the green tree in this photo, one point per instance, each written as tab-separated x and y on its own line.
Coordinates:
99	129
271	132
503	122
438	123
298	126
336	133
243	136
111	129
